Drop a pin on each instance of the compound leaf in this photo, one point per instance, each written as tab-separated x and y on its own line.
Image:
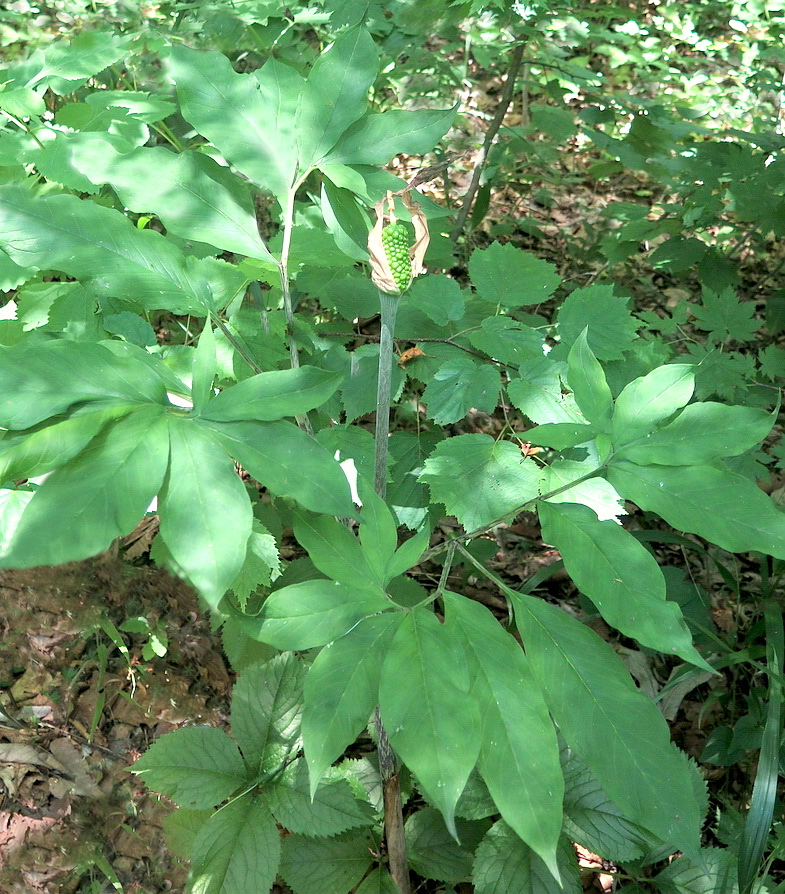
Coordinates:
479	479
238	850
634	759
197	767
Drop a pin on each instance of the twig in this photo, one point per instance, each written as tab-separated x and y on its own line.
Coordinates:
490	136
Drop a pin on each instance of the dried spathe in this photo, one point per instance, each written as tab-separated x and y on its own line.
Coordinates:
394	263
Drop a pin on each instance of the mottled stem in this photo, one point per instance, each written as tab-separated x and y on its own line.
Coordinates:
388	765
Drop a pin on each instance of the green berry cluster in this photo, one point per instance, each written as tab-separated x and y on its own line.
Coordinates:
395	239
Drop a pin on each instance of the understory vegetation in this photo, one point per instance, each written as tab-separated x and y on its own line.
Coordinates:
437	347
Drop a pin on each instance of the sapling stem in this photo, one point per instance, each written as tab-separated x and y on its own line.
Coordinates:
388	766
389	311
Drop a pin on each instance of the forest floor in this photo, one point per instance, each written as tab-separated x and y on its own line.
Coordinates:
76	711
80	701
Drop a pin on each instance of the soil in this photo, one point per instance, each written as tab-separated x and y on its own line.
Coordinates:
76	711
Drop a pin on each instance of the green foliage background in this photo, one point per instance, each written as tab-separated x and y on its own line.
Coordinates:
209	171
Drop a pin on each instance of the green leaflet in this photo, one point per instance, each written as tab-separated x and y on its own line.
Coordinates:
238	850
194	196
503	864
266	711
197	767
336	551
378	531
519	755
587	380
205	510
107	253
433	722
313	613
335	95
620	576
700	434
634	759
708	500
342	689
32	453
479	479
319	865
329	810
38	381
248	118
274	395
98	495
276	453
650	400
375	138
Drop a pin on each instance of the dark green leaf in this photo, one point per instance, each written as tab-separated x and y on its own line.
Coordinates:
620	576
320	865
342	689
634	759
335	95
249	118
315	612
266	708
651	400
434	853
330	809
432	721
196	767
505	275
587	380
519	756
272	395
375	138
277	453
612	328
237	851
701	433
458	386
97	496
503	864
479	479
708	500
205	510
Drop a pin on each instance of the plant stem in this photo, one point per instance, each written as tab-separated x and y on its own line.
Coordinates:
389	306
532	501
490	136
388	765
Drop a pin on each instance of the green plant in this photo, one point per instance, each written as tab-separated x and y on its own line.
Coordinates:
501	741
